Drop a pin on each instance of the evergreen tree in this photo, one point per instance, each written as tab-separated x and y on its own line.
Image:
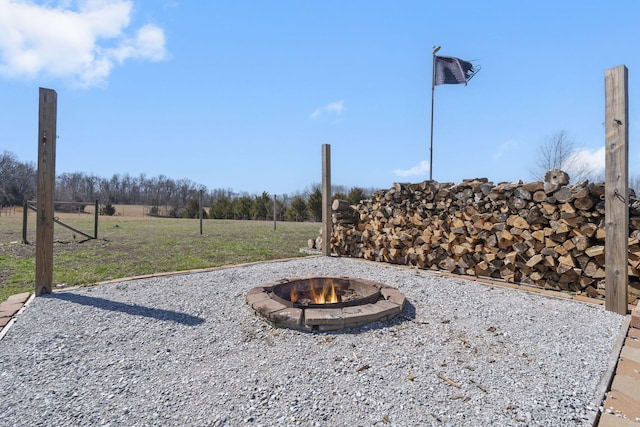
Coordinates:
297	210
315	205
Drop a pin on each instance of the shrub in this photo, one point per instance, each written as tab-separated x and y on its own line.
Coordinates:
193	210
107	210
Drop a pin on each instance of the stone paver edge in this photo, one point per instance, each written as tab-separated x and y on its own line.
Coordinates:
607	378
6	327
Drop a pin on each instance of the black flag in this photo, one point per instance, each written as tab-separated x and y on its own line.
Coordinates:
449	70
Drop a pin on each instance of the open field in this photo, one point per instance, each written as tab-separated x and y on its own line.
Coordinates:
131	244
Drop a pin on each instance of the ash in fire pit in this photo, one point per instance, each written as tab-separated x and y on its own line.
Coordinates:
325	303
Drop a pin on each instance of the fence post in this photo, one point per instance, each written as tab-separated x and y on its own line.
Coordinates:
95	221
326	199
25	218
47	117
274	212
616	189
200	210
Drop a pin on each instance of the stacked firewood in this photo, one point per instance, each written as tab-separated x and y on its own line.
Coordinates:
548	234
343	215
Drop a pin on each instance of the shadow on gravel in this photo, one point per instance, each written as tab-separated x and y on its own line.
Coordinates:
136	310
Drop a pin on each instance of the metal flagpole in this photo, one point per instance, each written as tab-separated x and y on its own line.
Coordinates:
433	87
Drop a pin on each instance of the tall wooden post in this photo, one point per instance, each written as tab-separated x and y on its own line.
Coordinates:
326	199
616	189
47	118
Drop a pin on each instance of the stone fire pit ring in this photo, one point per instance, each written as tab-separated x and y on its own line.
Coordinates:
375	302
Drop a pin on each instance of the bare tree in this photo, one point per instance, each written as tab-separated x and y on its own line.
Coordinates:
559	152
17	180
634	184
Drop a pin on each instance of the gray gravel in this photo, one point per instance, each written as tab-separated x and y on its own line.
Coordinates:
187	350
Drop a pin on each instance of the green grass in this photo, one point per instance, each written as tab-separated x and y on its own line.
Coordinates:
22	271
137	246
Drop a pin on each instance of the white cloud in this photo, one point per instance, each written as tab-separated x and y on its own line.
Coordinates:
418	170
505	148
593	160
81	44
331	108
147	44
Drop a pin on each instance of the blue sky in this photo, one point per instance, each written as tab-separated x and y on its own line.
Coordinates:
242	94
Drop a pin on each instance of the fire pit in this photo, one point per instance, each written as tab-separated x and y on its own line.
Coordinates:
324	303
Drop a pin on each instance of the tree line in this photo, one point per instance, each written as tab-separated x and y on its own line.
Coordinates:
182	197
168	197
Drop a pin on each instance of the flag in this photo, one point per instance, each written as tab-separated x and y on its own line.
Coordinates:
449	70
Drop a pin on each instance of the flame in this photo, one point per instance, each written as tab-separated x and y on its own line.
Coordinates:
333	296
324	294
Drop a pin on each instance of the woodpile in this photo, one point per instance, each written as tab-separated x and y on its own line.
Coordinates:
548	234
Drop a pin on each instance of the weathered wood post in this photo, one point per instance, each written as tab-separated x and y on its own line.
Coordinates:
200	210
25	217
274	212
326	199
95	220
47	118
616	189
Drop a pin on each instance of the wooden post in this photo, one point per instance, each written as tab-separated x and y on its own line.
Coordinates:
25	218
616	189
274	212
95	220
326	199
47	118
200	210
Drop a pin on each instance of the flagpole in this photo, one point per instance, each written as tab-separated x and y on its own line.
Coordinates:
433	87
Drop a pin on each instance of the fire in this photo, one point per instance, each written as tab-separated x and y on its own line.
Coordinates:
293	297
325	294
317	294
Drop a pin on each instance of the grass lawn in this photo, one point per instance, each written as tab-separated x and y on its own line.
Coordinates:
131	244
